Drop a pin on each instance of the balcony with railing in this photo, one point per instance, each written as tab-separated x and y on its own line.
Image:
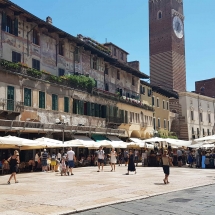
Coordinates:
11	106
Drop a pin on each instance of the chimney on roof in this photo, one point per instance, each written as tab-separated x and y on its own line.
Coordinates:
49	20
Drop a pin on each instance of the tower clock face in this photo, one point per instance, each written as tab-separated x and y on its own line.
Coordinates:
178	27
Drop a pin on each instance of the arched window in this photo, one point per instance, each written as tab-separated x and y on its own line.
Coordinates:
159	15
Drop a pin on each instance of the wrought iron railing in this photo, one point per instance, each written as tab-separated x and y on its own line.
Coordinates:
24	125
11	105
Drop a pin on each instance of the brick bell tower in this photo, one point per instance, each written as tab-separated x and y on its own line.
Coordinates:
167	44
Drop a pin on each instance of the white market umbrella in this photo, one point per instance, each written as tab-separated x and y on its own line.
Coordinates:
155	139
210	138
177	142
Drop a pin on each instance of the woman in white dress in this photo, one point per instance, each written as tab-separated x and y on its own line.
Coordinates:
113	155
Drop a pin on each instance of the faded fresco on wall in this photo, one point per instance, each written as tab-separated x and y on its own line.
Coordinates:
48	51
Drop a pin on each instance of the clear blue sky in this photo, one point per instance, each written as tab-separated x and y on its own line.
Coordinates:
125	23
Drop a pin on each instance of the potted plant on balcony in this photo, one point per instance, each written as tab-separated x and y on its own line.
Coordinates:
34	73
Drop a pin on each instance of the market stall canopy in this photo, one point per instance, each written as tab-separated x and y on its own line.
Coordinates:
110	144
83	141
155	139
179	143
136	140
49	143
210	138
7	142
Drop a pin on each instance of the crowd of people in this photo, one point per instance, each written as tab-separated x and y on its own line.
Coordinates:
65	161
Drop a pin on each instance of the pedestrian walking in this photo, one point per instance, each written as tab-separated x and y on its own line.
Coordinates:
44	158
71	159
63	166
131	165
53	161
59	155
13	161
167	162
136	154
126	157
144	158
113	155
101	156
36	160
120	157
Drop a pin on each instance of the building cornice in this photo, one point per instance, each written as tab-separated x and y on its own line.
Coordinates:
195	95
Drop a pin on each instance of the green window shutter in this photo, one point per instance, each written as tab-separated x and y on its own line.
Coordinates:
10	98
4	21
81	107
74	106
27	97
126	117
92	109
41	99
16	28
66	104
88	109
54	102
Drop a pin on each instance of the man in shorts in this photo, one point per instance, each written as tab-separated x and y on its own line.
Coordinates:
44	158
70	159
101	156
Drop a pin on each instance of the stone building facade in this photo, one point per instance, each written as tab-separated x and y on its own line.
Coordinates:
195	115
36	58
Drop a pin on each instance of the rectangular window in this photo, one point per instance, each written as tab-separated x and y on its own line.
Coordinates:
27	97
36	37
61	72
36	64
126	116
61	48
153	101
133	81
106	69
164	124
163	104
94	62
168	126
159	124
191	115
42	99
77	54
66	104
122	56
114	51
149	92
10	98
200	117
54	102
9	25
193	134
167	105
209	118
118	75
16	57
198	132
154	123
208	132
106	87
203	132
157	102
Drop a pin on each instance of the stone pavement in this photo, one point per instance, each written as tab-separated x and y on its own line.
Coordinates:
195	201
51	194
